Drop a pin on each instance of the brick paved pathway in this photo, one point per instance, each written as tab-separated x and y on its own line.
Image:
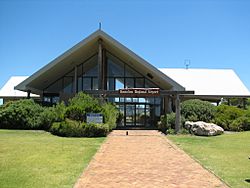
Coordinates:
143	159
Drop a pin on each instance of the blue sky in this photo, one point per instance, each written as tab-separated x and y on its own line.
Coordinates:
211	33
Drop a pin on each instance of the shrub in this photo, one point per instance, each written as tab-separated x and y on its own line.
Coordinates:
67	128
21	114
80	105
167	122
26	114
111	115
197	110
95	130
71	128
52	114
240	124
83	103
75	113
225	115
59	111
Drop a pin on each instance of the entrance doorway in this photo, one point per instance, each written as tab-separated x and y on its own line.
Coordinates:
138	112
136	115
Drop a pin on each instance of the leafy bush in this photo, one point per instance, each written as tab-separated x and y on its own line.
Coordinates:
197	110
67	128
232	118
75	113
111	115
240	124
59	111
52	114
71	128
26	114
95	130
167	122
21	114
80	105
225	115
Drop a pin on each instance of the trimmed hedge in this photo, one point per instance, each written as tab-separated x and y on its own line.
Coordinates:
71	128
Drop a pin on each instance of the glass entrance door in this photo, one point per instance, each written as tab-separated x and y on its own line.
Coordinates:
130	115
140	115
136	115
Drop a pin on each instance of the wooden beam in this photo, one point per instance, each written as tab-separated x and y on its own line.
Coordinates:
115	93
177	114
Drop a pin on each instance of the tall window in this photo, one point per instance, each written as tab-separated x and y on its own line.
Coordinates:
88	74
120	75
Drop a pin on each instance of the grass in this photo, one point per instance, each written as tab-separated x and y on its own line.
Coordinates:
225	155
39	159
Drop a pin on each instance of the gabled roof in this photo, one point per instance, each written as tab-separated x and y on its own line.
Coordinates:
210	82
84	50
8	90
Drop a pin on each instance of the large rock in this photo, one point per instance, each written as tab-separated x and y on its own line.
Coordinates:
201	128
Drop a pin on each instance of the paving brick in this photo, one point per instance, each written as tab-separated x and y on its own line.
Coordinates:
144	158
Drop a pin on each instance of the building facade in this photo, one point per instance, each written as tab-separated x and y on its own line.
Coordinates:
101	66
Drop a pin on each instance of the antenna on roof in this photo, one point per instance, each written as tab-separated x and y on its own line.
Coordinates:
187	63
100	25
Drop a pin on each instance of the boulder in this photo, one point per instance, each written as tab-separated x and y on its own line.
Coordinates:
201	128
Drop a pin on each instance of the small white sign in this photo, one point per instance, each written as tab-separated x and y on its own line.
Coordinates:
94	118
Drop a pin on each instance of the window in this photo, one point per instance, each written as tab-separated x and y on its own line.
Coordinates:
94	83
110	84
139	83
115	69
119	83
130	83
86	85
68	84
90	67
129	72
79	84
55	99
87	74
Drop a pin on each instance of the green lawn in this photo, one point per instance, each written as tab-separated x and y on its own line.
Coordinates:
225	155
39	159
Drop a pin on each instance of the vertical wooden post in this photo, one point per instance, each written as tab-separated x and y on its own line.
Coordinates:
217	103
244	103
104	69
177	114
167	104
100	65
75	80
28	94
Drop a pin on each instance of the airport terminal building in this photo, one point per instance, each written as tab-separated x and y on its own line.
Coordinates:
101	66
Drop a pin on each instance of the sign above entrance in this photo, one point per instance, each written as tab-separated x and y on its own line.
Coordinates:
140	92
